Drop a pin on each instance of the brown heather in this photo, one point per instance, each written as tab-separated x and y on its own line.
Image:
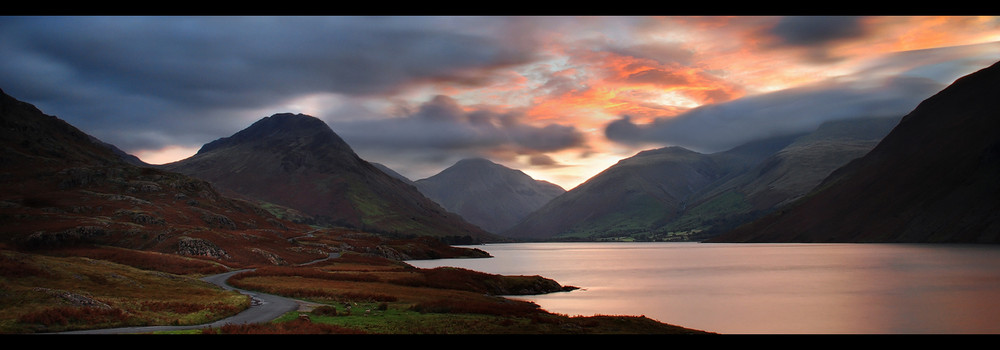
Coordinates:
143	259
41	293
297	326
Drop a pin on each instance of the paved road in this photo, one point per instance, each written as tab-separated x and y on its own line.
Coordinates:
263	308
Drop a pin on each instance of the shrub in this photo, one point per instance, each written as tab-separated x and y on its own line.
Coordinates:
325	310
297	326
64	315
499	308
12	267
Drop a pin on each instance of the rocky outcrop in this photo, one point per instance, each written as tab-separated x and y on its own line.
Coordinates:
200	247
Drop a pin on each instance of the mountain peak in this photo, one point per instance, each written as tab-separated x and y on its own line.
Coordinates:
281	128
487	194
297	161
476	160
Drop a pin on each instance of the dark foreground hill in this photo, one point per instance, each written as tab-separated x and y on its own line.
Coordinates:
488	194
297	161
934	178
60	188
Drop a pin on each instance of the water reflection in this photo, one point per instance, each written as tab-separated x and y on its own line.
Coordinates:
766	288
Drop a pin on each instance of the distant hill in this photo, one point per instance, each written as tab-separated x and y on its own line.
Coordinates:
297	161
933	178
62	187
487	194
678	194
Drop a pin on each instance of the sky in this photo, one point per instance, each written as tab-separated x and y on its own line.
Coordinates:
559	97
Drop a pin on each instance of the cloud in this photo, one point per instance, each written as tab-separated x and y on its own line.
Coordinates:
128	71
816	35
718	127
442	124
440	132
543	160
816	30
891	85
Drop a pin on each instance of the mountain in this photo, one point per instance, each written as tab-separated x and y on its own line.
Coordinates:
782	177
297	161
638	194
393	173
487	194
678	194
933	178
62	187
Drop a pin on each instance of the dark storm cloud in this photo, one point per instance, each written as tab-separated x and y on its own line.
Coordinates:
718	127
815	34
441	124
817	30
127	70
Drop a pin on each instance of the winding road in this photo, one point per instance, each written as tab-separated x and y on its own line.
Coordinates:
263	308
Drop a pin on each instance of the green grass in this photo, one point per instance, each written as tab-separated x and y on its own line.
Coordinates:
638	216
720	207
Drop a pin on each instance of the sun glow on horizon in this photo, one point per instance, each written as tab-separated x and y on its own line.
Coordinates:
165	155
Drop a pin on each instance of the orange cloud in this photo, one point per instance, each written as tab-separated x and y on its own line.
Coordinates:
606	84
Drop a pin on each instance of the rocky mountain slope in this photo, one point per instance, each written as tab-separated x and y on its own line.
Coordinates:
297	161
488	194
932	179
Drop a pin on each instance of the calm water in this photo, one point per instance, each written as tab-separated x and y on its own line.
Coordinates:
766	288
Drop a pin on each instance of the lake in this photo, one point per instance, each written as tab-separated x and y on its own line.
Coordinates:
765	288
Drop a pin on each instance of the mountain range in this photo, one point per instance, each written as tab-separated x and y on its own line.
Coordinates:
673	193
297	161
488	194
929	176
933	179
